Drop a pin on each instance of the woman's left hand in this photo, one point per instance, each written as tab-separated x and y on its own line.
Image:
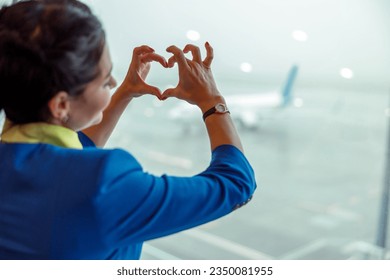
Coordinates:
134	84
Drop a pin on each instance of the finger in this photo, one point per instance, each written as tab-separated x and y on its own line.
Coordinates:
209	55
142	49
153	90
196	57
145	88
179	56
137	51
149	57
171	61
170	92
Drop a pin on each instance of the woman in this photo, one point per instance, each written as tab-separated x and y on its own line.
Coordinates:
63	197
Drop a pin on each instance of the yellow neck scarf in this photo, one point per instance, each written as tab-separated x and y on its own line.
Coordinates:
40	133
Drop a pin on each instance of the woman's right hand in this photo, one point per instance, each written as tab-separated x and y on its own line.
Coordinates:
134	84
196	82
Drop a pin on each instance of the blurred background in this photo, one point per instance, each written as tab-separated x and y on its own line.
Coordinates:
308	85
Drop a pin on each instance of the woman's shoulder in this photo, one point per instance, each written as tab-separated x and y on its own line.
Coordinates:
105	156
51	155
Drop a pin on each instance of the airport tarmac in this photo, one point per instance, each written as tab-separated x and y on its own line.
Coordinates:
319	170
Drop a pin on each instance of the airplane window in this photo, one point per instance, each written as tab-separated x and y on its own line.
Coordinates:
307	85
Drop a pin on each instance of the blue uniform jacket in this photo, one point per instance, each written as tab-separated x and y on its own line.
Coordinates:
61	203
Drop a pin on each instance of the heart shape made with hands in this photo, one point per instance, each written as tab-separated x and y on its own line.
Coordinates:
162	77
192	72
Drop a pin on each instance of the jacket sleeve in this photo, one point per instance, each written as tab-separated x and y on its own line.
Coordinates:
134	206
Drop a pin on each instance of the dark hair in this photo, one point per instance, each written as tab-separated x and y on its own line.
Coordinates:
46	47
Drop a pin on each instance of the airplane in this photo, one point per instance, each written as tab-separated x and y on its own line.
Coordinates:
247	110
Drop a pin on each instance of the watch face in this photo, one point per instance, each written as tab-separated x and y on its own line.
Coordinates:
220	108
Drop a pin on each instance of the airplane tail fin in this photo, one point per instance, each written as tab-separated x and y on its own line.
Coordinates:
289	84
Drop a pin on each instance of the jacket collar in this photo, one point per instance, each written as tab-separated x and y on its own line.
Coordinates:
40	133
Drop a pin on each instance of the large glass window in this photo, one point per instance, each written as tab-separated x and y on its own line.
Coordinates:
319	154
308	86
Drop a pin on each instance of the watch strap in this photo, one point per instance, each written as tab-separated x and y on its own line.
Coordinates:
211	111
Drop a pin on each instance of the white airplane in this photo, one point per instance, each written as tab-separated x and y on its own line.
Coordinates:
247	110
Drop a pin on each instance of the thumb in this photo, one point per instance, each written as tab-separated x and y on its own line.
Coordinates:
154	91
170	92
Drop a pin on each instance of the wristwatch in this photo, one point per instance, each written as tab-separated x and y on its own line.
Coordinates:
219	108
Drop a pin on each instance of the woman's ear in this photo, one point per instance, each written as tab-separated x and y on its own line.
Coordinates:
59	106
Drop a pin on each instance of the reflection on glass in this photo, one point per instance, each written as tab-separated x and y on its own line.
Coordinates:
346	73
300	35
246	67
193	35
